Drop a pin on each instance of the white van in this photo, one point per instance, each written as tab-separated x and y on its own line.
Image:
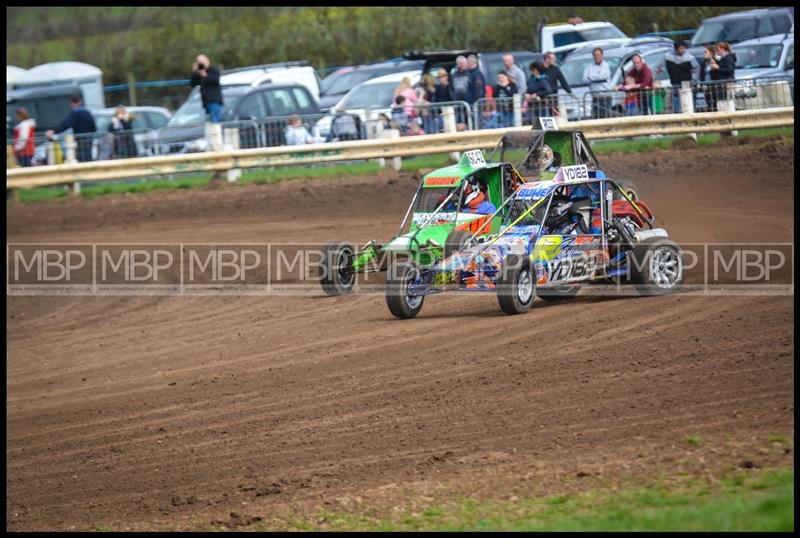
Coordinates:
562	38
287	72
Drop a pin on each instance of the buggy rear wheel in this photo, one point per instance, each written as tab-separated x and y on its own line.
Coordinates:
455	241
337	274
401	302
629	187
656	266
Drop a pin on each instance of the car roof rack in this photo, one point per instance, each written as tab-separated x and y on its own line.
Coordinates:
277	65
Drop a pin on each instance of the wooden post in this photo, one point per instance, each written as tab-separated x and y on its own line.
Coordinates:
51	152
232	143
131	89
214	136
517	98
75	188
11	161
69	157
687	102
449	118
397	162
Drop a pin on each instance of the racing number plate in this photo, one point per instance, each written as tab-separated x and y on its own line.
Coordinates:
475	157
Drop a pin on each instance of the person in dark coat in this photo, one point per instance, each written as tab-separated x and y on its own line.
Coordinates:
206	76
538	89
504	91
556	77
81	121
723	67
121	127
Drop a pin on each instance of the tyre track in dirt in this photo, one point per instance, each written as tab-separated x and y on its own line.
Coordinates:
115	406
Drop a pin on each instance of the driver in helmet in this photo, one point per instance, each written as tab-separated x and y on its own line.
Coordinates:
476	200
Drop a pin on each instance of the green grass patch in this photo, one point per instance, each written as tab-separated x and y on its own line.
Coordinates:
762	501
693	440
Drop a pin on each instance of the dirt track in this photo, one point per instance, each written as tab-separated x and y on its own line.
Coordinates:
170	412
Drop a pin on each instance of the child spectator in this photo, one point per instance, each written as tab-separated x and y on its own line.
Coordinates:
296	133
400	118
489	119
631	97
405	89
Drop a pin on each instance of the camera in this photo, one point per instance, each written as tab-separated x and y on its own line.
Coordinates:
201	66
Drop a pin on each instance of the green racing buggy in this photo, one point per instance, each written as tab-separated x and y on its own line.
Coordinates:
437	223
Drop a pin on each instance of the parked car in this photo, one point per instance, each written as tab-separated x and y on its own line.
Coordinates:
771	56
562	38
490	63
341	81
741	26
48	105
619	62
763	61
146	120
298	72
374	94
267	106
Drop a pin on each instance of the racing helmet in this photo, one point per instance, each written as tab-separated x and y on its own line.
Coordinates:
545	157
471	192
559	206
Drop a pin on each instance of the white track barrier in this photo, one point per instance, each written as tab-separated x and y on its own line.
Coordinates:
212	161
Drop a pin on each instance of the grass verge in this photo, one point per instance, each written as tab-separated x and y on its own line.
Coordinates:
412	164
741	501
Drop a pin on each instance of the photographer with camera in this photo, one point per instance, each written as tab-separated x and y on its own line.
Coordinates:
206	76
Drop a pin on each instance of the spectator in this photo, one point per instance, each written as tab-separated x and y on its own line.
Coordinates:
426	94
442	92
121	126
657	104
24	137
631	98
206	76
414	128
400	118
554	73
514	71
405	89
461	89
504	91
556	77
642	84
345	127
82	124
537	91
723	67
296	133
598	76
384	122
489	119
706	97
478	82
682	67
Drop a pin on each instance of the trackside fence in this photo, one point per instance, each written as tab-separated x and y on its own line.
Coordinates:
229	159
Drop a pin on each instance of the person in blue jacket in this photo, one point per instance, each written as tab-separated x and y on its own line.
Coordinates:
81	121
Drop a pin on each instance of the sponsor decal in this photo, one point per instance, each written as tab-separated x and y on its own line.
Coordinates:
441	181
547	247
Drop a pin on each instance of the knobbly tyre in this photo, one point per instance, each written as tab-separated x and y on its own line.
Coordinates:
437	223
555	236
